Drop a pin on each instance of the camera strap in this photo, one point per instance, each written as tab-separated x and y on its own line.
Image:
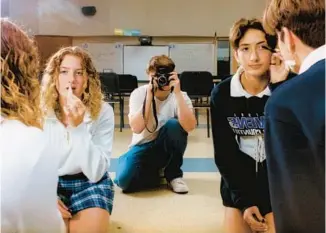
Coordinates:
154	112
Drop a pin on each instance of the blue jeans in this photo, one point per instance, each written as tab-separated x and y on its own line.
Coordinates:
139	168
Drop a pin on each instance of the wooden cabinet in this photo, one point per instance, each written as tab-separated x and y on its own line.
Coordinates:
48	45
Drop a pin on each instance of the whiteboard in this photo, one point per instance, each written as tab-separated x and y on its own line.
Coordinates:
136	59
193	57
106	56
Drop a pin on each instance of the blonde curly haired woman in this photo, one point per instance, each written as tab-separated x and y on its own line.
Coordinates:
29	163
71	92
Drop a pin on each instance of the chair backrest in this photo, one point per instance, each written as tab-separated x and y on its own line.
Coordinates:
197	84
110	83
127	83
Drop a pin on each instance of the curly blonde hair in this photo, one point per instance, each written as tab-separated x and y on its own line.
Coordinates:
92	96
20	88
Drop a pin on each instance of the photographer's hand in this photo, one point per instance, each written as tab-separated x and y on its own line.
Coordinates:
174	82
185	114
137	119
152	85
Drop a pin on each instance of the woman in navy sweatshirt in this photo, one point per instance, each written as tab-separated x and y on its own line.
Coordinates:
237	108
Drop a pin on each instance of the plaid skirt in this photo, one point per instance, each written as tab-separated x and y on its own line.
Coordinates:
78	193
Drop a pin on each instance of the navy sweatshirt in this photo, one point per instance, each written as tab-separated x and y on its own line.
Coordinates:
295	147
235	117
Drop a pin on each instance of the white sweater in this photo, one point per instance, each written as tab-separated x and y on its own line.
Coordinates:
29	168
89	145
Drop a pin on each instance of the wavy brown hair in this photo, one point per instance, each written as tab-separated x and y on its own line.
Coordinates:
20	89
241	26
305	18
92	96
157	61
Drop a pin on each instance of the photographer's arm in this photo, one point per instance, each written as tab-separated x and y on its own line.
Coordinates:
136	119
185	112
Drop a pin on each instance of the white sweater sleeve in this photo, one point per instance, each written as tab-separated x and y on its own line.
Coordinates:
92	150
29	169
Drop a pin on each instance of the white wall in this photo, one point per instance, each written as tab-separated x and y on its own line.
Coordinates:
25	14
154	17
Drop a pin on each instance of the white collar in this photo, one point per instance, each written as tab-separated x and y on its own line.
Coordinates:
236	89
312	58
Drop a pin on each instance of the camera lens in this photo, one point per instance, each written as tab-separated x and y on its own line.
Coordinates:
162	81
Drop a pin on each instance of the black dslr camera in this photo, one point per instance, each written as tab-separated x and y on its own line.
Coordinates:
162	75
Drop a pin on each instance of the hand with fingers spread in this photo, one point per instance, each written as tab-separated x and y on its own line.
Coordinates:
174	82
255	220
74	109
64	210
278	69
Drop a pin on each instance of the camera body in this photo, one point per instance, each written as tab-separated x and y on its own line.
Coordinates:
162	75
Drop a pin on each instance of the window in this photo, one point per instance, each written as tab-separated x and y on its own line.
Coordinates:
223	57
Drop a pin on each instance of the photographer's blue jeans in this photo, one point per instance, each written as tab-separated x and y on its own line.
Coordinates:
139	168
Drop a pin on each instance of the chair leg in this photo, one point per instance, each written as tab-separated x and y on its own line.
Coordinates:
208	123
123	112
197	116
196	111
121	115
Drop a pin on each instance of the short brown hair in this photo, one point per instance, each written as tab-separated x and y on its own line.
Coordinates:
305	18
158	61
19	64
240	27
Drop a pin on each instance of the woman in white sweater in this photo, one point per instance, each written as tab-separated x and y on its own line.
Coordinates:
71	92
29	161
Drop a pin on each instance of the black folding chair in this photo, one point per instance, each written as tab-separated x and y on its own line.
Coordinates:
127	84
111	90
198	86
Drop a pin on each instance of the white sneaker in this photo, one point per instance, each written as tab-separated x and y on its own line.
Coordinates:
178	185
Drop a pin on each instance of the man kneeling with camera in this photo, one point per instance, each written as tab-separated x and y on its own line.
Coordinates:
160	116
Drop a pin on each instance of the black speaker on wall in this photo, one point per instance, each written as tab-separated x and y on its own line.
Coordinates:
88	10
145	40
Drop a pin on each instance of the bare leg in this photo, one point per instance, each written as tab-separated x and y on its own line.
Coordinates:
270	222
66	221
90	220
233	221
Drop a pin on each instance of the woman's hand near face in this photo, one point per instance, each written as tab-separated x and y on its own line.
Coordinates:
74	109
278	69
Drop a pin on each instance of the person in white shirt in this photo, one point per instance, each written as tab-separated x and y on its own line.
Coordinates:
72	99
29	162
160	116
